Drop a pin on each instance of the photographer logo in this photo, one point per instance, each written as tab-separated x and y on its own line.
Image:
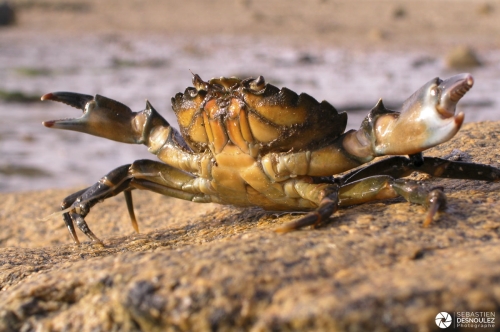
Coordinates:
443	319
466	319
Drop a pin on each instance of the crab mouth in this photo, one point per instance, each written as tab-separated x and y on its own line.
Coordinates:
451	91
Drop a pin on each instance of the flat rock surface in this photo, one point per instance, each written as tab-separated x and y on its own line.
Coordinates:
206	267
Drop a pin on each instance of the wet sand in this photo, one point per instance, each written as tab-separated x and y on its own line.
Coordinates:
358	24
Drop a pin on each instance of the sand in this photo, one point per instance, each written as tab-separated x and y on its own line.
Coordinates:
359	24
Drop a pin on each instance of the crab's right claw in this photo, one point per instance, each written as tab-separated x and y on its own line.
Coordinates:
102	117
426	119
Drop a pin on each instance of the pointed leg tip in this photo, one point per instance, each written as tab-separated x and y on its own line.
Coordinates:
135	225
97	243
437	202
283	229
427	222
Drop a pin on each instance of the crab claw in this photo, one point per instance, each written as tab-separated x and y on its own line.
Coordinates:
426	119
103	117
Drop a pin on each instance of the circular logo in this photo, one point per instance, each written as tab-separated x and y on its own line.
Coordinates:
443	320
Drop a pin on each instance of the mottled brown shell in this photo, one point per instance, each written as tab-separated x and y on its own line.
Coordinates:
255	116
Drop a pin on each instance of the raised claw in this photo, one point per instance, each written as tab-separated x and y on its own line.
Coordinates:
104	117
426	119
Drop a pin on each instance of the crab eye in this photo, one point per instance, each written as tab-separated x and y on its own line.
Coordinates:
198	83
192	92
258	84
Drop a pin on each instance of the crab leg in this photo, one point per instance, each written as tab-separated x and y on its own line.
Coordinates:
366	190
167	180
130	209
80	202
67	202
105	117
398	167
78	197
385	187
327	198
142	174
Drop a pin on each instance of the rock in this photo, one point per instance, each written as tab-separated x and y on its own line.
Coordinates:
399	13
485	9
7	14
462	57
377	35
207	267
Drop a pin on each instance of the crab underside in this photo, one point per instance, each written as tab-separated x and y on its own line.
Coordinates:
248	143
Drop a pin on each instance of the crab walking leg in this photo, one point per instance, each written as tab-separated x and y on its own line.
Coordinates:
71	199
130	208
398	167
167	180
327	198
142	174
384	187
67	202
366	190
81	202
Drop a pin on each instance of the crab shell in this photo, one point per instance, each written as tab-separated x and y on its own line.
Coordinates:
254	116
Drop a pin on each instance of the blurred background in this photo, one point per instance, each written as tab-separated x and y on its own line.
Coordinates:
350	53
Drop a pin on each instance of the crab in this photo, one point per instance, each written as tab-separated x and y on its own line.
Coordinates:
248	143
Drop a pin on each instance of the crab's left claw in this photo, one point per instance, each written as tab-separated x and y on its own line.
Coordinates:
104	117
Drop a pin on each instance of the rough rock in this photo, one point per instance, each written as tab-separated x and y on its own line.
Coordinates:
202	267
462	57
7	14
